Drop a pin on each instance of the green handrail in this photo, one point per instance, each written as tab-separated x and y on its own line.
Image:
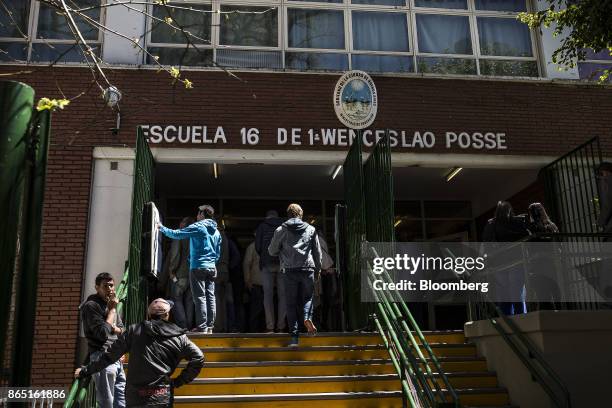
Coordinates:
521	345
401	325
82	391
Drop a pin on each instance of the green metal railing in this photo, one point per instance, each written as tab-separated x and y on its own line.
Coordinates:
24	146
410	351
132	291
136	300
369	216
481	308
356	312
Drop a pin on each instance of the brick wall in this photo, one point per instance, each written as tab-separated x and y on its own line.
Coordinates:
539	118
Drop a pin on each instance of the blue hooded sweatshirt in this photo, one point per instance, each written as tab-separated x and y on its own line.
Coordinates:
204	241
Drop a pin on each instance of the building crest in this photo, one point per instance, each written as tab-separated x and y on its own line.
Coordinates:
356	100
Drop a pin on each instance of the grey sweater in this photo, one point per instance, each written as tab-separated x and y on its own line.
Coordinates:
297	245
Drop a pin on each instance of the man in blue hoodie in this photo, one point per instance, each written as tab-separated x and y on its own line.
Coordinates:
205	249
297	245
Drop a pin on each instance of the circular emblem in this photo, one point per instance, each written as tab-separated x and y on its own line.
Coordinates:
355	100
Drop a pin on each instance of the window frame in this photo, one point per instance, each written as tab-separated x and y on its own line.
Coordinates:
408	9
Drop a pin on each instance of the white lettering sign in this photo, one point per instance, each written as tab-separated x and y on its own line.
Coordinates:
321	137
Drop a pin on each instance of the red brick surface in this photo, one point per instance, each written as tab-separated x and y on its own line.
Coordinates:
538	117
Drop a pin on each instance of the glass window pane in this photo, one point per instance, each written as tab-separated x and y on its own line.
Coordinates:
509	68
195	21
11	52
504	36
382	63
52	24
181	56
380	31
249	59
601	55
442	34
501	5
14	18
448	4
457	66
259	27
315	28
381	2
592	71
316	61
59	52
320	1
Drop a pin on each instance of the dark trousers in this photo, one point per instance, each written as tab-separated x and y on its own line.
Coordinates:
299	288
256	309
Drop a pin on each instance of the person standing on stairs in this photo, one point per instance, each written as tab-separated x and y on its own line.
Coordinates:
204	252
297	245
156	347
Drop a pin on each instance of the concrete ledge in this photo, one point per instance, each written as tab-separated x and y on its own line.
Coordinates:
576	344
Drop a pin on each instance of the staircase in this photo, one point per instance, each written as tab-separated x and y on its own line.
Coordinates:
329	370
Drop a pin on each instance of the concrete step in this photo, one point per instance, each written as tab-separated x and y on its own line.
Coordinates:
382	399
303	353
321	339
291	385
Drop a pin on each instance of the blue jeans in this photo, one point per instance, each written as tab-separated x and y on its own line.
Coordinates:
299	288
110	384
183	310
203	291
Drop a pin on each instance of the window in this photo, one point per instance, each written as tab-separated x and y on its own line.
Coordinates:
46	37
594	65
464	37
315	28
189	24
249	26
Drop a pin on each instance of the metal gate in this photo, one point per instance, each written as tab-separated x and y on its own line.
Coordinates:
24	146
356	316
571	189
368	194
572	198
144	167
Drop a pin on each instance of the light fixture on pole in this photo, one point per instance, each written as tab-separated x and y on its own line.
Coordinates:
453	173
336	171
215	171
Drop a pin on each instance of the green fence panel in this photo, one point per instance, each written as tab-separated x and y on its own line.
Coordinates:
30	256
378	182
136	301
355	311
16	103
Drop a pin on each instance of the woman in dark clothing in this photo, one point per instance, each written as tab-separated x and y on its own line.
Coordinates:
510	282
504	226
539	221
542	285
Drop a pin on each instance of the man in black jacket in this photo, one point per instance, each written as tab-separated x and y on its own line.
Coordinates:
101	324
156	347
